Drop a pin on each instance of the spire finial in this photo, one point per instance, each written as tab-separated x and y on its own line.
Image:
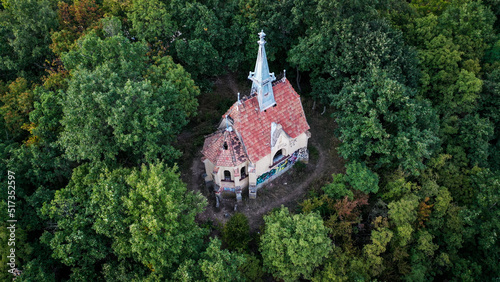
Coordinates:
261	36
261	78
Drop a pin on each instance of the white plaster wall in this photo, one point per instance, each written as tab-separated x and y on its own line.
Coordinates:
262	165
300	142
290	145
220	173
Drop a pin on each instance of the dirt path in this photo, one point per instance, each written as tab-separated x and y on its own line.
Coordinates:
255	216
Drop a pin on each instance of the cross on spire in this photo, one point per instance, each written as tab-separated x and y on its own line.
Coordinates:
261	78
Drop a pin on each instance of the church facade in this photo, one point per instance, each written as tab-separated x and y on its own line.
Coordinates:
259	137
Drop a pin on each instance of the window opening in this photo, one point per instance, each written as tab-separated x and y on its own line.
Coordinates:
278	156
227	175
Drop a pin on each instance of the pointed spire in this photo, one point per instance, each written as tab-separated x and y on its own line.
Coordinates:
261	78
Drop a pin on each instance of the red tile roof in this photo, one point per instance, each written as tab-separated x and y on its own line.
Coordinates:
220	155
254	127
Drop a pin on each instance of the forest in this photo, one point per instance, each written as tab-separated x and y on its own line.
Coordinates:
95	96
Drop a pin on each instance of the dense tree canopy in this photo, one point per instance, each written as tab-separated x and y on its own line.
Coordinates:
137	214
293	245
120	102
99	99
381	123
26	26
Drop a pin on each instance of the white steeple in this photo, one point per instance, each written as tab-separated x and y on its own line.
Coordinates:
261	78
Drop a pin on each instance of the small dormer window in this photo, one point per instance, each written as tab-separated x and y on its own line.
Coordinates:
225	146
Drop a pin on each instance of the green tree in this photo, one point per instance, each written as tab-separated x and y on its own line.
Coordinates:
451	48
382	124
236	232
292	246
489	104
338	187
20	245
345	38
151	21
381	236
40	158
220	265
161	213
17	103
343	266
119	105
126	270
107	216
475	134
403	214
424	7
28	24
482	222
251	270
451	88
361	177
73	240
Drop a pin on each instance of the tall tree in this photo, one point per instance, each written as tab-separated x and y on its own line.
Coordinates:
74	20
28	24
344	39
220	265
115	216
162	215
120	105
293	245
74	242
382	124
236	232
17	103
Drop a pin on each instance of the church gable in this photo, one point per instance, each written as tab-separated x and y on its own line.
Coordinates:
254	126
224	148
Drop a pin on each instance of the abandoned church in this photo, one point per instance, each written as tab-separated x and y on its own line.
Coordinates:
261	135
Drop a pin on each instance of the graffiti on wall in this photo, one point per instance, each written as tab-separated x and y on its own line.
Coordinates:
303	154
280	167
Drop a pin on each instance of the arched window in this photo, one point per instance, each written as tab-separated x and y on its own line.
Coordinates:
243	173
227	175
278	156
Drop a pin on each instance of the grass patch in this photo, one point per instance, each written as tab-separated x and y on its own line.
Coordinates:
313	152
298	171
